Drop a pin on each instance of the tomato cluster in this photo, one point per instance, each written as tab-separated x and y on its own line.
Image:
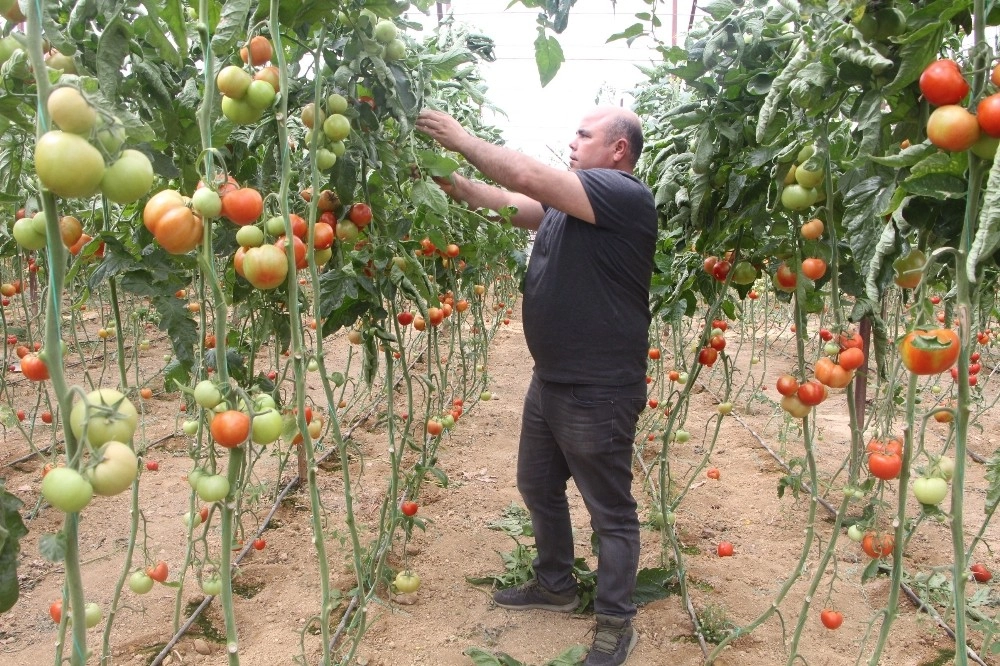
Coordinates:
246	96
951	126
70	162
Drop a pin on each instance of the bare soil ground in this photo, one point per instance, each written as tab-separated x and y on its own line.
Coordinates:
278	588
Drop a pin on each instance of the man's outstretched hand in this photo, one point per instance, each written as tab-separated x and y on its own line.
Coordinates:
442	128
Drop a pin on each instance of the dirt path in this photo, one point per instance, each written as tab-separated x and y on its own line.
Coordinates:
278	587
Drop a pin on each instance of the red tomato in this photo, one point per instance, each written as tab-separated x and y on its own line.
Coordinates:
34	368
787	385
708	356
158	571
811	393
825	335
721	270
988	114
152	465
720	324
717	342
725	549
981	573
942	83
713	473
259	544
885	460
405	318
409	508
831	619
654	353
323	235
878	546
709	264
786	277
360	214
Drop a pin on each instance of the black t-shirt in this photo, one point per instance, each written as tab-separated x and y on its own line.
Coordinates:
586	293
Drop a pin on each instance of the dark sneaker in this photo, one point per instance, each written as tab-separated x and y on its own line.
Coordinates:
614	639
532	595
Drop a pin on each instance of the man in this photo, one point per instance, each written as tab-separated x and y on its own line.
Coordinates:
586	323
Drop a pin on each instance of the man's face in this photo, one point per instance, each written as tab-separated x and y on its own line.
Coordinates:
589	149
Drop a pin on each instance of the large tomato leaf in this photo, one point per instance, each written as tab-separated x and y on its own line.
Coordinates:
12	529
232	23
548	56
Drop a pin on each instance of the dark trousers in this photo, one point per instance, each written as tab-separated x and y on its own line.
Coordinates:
587	432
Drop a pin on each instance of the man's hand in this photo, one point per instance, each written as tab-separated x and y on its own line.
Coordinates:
442	128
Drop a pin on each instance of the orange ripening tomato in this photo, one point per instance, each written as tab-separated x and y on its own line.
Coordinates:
172	222
851	358
230	428
878	546
259	52
832	374
34	368
929	352
813	268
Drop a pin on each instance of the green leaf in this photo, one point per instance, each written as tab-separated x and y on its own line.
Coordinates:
438	165
987	238
907	157
232	24
12	529
112	48
53	546
481	657
430	195
630	32
548	57
653	584
172	14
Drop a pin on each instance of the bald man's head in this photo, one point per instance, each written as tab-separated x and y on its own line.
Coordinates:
625	124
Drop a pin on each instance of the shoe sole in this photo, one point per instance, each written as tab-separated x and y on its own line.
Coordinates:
557	608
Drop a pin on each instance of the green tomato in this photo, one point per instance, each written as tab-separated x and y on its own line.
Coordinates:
936	390
250	236
325	159
93	615
682	378
260	95
930	490
337	127
68	165
208	204
192	519
116	470
485	396
448	421
275	225
104	415
190	427
66	489
239	110
336	103
212	586
338	148
312	365
682	436
385	31
129	178
944	467
406	582
194	476
264	401
805	153
26	233
207	394
213	487
394	50
725	408
266	426
855	533
831	349
140	582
